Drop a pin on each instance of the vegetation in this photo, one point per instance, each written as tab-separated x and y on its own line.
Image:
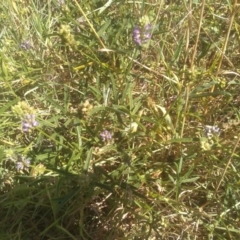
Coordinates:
119	119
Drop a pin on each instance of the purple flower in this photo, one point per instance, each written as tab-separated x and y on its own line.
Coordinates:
29	122
25	45
19	166
137	35
142	35
106	136
23	164
147	32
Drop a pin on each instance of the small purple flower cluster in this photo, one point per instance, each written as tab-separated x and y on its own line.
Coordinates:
29	122
142	34
106	136
23	164
26	45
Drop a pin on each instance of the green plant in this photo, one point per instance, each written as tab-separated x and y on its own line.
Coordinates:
120	120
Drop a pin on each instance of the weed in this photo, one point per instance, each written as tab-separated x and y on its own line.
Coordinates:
119	120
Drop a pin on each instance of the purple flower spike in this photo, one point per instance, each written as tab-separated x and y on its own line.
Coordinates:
137	35
106	136
29	122
142	35
25	126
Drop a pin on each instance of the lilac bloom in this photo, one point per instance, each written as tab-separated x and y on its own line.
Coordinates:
106	136
29	122
147	32
25	45
137	35
142	35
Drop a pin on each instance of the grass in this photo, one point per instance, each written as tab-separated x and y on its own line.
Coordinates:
104	139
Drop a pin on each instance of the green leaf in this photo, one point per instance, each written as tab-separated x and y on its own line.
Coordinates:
87	162
8	105
177	52
190	180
